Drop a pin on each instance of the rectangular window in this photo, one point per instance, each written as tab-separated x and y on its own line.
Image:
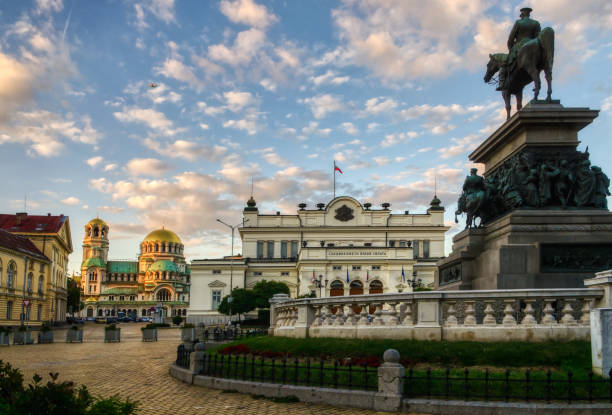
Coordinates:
392	244
111	298
270	249
426	249
132	298
256	273
375	267
402	244
39	312
356	267
367	244
9	309
42	267
283	249
294	251
216	271
337	267
415	249
284	274
121	298
260	249
216	299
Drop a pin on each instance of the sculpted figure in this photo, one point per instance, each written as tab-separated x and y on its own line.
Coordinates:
530	51
584	187
472	198
547	175
563	183
602	184
532	198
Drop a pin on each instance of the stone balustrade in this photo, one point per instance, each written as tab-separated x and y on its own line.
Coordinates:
487	315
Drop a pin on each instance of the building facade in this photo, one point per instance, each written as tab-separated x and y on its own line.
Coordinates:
344	248
159	278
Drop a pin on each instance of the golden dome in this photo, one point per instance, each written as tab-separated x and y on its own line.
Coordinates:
97	221
163	235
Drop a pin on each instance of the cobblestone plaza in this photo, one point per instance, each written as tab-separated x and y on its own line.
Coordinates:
140	371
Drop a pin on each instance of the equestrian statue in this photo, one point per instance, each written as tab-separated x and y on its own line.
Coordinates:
531	51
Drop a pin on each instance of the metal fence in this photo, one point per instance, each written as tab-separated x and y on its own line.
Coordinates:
292	372
220	335
506	386
182	356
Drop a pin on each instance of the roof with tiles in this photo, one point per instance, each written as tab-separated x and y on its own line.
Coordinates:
22	222
20	244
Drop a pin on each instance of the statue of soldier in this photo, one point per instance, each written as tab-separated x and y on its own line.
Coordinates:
602	184
564	182
547	175
584	186
472	198
523	30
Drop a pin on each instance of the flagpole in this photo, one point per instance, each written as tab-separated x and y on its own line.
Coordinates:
334	172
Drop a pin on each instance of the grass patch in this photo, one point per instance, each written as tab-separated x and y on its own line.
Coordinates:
574	356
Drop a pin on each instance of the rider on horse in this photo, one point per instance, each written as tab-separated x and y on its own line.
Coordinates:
524	30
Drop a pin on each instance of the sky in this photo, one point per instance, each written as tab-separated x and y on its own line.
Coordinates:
268	93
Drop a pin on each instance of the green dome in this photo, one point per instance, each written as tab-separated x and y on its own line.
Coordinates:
164	265
163	235
93	262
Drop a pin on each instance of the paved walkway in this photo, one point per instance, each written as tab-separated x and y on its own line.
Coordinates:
140	371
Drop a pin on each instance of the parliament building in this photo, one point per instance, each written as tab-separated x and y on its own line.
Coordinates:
342	248
159	278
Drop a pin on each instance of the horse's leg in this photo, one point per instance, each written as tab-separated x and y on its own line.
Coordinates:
535	75
506	95
519	99
548	75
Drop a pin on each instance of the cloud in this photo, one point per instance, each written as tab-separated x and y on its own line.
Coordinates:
375	106
147	167
247	12
45	6
161	9
460	146
94	161
110	167
45	132
313	128
397	138
188	150
248	124
153	119
321	105
350	128
268	85
329	77
237	100
176	69
273	158
71	201
245	48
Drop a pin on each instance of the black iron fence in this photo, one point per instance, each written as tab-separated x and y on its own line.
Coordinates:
304	372
506	386
182	356
219	335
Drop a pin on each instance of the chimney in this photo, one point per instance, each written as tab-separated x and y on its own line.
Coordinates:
20	217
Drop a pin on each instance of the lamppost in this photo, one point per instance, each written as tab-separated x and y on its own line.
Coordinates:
319	283
414	282
230	299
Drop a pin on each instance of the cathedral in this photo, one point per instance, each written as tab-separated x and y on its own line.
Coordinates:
158	281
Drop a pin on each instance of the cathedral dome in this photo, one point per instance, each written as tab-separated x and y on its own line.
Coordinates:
163	235
97	221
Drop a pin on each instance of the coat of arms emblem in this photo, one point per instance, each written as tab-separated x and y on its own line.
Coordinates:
344	213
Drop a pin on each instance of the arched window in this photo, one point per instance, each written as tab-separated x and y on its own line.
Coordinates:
12	274
29	282
376	287
96	231
156	247
40	284
163	295
336	288
356	288
89	234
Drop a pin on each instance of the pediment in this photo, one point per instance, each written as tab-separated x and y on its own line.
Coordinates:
217	284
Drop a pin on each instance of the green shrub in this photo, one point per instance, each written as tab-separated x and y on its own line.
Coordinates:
54	398
22	329
111	327
176	320
75	327
5	329
45	327
188	326
154	326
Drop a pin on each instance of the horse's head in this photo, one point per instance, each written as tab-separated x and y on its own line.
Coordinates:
492	67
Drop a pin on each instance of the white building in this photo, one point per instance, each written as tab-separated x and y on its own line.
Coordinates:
339	249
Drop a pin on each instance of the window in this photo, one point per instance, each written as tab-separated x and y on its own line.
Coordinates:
426	249
402	244
40	284
111	298
42	267
375	267
415	249
283	249
356	267
39	312
31	266
121	298
392	244
163	295
284	274
216	271
29	283
132	298
260	248
367	244
270	249
337	267
257	273
9	309
294	249
216	299
95	288
12	274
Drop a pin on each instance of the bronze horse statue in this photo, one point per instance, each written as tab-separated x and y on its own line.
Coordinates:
535	56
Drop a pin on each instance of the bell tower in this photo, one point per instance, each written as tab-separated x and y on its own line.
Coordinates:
95	256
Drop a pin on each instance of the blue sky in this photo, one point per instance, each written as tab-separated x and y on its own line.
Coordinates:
274	91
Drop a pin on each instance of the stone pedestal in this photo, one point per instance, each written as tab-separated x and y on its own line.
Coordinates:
538	231
601	341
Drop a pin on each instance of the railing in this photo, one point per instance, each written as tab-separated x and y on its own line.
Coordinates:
536	315
506	386
292	372
182	356
220	335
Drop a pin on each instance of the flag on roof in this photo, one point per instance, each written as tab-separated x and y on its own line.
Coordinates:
336	168
347	276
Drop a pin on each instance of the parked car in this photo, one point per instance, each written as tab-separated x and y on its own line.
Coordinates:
124	319
110	320
100	320
74	320
90	319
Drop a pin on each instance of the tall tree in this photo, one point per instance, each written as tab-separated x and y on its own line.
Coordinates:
73	300
264	290
243	301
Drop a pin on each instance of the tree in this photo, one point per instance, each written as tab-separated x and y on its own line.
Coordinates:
73	300
243	301
264	290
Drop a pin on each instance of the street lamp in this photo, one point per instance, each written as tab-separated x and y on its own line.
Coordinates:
229	300
319	283
415	283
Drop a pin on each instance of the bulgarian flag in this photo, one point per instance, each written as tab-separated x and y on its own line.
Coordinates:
368	275
336	168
